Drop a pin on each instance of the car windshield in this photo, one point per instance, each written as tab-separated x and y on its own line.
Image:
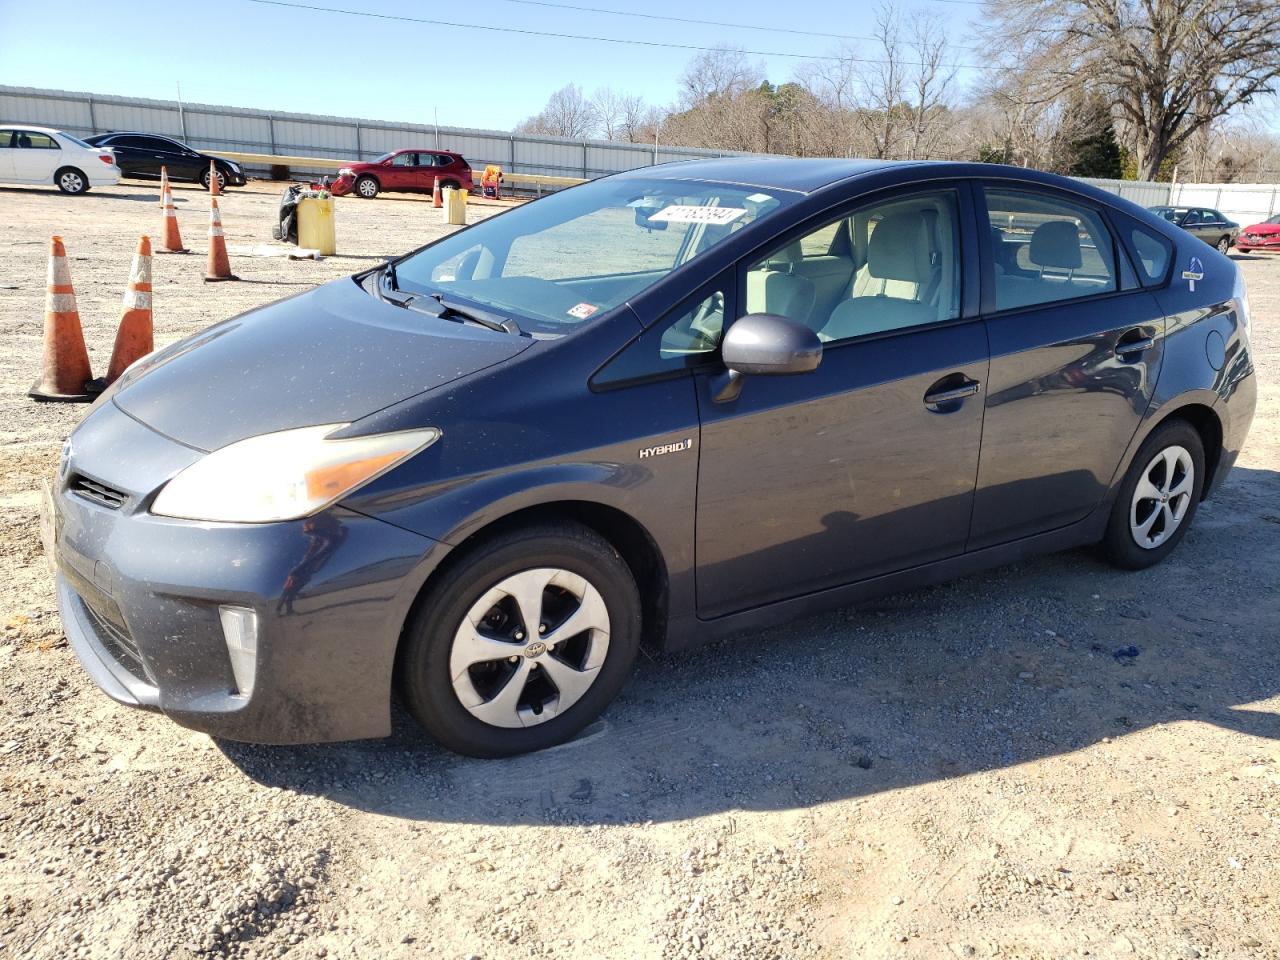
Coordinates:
76	140
558	262
385	156
1275	219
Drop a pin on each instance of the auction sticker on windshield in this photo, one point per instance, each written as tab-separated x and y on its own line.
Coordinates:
679	213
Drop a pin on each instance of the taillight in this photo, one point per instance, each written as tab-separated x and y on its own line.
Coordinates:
107	158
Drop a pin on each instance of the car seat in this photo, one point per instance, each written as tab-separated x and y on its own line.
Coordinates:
776	288
901	248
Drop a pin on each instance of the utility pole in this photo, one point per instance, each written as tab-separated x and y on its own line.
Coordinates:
182	117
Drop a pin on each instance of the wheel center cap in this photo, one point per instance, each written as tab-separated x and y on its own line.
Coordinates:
535	649
1164	498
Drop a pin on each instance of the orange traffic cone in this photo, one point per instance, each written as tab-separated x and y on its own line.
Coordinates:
219	267
213	179
437	201
65	369
171	239
134	338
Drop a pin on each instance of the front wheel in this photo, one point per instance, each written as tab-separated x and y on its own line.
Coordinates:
366	187
222	180
1158	498
522	643
1224	244
70	180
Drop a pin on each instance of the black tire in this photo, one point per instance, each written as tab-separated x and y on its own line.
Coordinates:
366	187
450	185
424	655
71	180
1120	544
222	181
1224	245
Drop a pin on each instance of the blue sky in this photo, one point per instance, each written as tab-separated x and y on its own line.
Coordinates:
253	55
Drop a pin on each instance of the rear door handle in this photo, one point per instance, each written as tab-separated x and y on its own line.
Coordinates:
1131	348
938	398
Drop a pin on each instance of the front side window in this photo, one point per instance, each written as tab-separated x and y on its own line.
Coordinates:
405	160
558	262
889	266
1045	250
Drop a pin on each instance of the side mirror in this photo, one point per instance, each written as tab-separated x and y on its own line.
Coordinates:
765	344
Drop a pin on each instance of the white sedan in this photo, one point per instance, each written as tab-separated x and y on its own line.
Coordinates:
41	155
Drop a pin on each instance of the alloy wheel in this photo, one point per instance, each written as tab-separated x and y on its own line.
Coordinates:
71	182
529	648
367	189
1162	496
1224	245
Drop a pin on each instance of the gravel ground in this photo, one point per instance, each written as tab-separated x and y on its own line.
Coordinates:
1050	760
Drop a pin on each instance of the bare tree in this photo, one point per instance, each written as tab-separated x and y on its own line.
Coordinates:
607	106
1171	67
568	113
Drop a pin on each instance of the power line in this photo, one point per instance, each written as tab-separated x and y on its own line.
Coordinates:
703	23
493	28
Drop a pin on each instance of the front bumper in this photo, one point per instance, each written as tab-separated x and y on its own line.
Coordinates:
341	186
139	598
1269	245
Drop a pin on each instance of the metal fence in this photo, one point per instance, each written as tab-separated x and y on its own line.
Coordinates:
214	128
237	129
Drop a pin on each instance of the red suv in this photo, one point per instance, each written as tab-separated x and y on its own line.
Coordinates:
411	171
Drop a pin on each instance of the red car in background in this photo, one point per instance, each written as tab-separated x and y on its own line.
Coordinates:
1261	236
408	171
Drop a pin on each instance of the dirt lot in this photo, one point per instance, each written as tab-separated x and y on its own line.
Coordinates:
1051	760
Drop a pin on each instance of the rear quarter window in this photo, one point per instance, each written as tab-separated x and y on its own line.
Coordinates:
1153	253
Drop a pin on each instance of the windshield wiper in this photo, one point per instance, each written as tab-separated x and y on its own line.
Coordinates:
445	308
483	317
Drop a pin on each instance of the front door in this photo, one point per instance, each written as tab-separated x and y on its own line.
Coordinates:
866	465
1076	345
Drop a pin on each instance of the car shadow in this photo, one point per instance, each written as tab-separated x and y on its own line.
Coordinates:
998	669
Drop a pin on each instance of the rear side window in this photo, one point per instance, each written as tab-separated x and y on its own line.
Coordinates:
36	141
1046	250
1153	254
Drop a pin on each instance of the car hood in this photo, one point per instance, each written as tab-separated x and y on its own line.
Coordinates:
1263	228
330	355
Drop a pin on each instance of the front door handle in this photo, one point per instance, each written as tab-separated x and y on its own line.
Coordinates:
1128	349
936	399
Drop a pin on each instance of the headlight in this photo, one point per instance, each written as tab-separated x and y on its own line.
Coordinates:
346	172
235	167
285	475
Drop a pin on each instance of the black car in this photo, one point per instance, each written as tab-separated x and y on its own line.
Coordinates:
141	155
661	407
1209	225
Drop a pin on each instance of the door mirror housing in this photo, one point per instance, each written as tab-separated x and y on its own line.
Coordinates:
763	345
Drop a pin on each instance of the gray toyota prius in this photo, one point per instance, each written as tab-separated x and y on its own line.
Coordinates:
657	408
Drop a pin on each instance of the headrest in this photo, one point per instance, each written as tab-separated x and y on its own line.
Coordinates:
787	257
1056	244
899	248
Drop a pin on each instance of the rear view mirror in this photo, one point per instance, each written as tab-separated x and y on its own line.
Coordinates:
765	344
645	208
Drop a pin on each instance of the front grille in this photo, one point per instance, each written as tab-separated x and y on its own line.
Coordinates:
96	492
119	643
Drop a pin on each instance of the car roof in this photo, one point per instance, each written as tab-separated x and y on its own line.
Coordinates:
19	125
136	133
810	174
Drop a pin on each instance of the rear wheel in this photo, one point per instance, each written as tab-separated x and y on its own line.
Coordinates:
522	643
1224	244
366	187
1158	498
71	180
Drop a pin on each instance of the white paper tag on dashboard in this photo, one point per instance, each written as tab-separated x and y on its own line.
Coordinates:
679	213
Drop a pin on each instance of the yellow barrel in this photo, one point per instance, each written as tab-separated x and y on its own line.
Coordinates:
315	226
455	206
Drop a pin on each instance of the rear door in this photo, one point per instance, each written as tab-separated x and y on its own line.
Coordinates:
866	465
37	157
133	156
1076	345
